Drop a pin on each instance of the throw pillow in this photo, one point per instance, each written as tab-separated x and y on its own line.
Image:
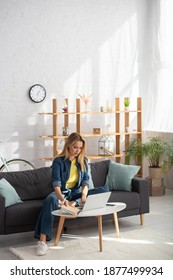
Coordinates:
120	175
10	194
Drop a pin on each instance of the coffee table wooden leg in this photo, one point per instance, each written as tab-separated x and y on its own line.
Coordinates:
59	230
100	231
116	224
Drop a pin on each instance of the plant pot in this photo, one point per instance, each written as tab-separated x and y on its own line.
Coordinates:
155	172
126	108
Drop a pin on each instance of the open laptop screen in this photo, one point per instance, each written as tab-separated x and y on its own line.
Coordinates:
96	201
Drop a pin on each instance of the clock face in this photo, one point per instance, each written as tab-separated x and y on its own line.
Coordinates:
37	93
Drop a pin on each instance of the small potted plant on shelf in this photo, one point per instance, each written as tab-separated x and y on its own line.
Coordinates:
158	152
126	104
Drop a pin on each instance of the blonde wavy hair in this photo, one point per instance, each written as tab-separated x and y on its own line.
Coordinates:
72	138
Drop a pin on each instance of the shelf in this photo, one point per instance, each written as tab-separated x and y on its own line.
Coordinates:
104	157
83	134
47	158
52	136
132	132
89	157
92	135
121	137
89	113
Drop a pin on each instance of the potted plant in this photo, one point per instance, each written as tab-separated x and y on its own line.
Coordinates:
158	152
126	104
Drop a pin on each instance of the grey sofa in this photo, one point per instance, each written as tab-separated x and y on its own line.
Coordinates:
34	185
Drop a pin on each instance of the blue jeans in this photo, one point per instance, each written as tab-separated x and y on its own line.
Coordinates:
45	219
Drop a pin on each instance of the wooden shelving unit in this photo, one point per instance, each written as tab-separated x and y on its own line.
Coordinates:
118	132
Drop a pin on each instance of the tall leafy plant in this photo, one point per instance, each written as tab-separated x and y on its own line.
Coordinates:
155	150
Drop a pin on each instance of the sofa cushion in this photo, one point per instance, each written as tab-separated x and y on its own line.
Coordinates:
99	172
7	191
30	184
119	176
25	214
131	199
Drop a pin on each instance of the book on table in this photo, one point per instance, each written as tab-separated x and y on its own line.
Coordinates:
72	210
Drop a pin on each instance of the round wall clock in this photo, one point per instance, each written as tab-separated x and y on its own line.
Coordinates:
37	93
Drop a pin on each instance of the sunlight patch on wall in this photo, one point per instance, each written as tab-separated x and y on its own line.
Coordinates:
80	82
161	110
118	66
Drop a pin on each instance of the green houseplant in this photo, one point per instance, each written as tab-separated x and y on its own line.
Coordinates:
126	104
158	152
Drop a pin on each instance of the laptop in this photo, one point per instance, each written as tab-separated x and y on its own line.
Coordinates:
95	201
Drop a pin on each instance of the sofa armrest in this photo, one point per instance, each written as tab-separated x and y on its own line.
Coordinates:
142	187
2	214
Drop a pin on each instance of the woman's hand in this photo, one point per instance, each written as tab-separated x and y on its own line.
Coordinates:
64	202
61	198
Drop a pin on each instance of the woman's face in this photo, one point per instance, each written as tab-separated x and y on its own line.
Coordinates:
75	149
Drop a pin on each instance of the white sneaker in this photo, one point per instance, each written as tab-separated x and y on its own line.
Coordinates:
42	248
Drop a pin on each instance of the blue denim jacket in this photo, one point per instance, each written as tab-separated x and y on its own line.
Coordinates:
61	172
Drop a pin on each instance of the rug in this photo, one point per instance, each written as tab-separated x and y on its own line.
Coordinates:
136	244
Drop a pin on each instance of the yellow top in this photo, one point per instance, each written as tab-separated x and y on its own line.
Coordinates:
74	175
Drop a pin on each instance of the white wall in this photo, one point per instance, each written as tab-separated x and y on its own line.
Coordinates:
63	45
99	47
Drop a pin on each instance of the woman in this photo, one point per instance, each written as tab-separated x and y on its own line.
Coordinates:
70	182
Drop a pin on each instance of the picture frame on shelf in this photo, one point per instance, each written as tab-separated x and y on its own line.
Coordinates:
97	130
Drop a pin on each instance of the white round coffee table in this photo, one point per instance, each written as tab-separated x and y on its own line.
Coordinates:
110	208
